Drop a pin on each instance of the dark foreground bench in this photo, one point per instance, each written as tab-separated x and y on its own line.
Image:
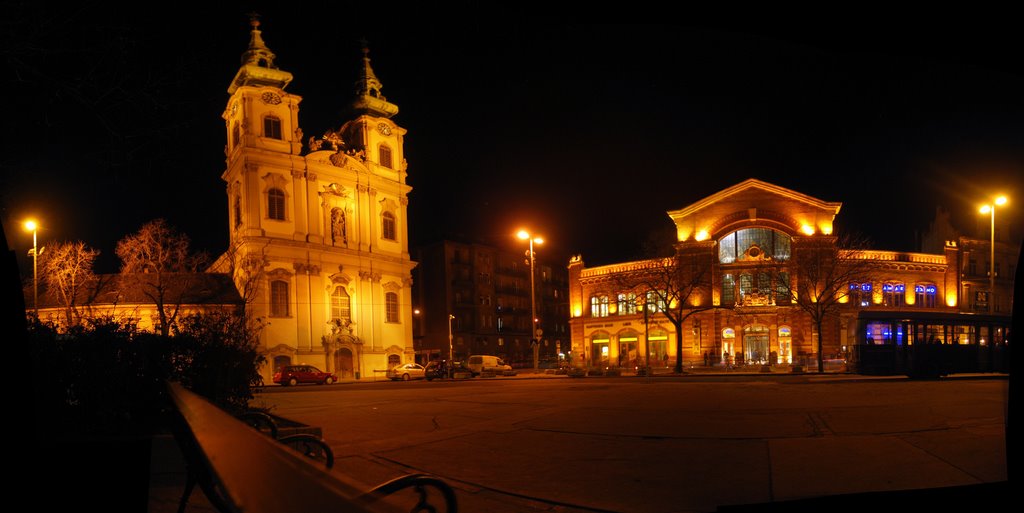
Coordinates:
241	469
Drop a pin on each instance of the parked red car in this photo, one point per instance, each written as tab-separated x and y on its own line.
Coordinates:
291	375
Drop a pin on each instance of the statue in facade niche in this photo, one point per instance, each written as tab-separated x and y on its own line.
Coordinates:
338	229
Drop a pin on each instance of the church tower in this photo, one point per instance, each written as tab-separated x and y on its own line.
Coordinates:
318	229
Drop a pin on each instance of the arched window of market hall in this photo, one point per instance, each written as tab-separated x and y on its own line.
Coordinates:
626	303
728	290
754	244
893	293
925	295
599	306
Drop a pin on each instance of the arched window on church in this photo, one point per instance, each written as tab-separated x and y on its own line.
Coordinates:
388	226
391	307
279	298
272	127
275	204
341	309
385	156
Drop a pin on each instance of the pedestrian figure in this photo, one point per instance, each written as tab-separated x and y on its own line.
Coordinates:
707	359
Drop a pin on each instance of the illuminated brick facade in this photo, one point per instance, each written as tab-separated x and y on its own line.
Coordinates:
753	235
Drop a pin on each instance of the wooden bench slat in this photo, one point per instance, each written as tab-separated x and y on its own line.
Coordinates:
258	473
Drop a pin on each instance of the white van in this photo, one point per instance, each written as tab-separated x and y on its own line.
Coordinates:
492	364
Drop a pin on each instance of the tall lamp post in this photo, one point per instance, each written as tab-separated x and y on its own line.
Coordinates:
451	352
33	227
534	332
991	209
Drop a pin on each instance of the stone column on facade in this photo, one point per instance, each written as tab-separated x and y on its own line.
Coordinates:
300	204
363	216
296	140
402	228
252	201
315	218
373	218
301	297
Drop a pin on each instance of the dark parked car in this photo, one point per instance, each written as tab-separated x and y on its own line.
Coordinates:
291	375
438	369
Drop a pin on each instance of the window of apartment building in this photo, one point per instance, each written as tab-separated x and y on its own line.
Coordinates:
501	326
235	135
385	156
728	290
341	305
972	267
388	226
279	298
275	204
391	307
599	306
626	304
981	300
272	127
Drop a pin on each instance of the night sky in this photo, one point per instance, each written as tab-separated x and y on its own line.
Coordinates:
587	134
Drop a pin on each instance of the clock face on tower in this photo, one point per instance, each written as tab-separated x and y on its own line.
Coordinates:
384	129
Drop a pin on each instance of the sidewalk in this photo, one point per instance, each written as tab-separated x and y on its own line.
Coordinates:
788	454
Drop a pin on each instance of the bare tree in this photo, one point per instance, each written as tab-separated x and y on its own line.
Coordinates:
823	269
67	270
248	270
156	261
677	286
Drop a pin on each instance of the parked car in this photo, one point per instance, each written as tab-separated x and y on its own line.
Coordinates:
291	375
439	369
480	364
407	372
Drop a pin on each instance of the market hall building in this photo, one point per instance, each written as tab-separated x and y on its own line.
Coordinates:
752	234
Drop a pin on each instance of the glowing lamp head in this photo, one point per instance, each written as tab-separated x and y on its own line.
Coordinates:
807	229
1001	200
985	209
31	225
525	235
701	235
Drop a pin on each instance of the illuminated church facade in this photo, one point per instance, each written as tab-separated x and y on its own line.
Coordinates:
749	240
318	228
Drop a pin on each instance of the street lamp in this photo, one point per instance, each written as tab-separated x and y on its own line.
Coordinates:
33	227
451	352
534	332
991	209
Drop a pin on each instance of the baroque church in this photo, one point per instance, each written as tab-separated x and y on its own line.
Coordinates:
318	228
